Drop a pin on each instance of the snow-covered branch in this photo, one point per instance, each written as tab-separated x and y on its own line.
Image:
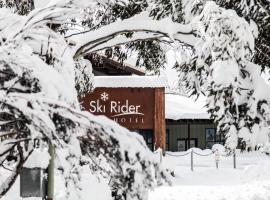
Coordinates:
39	102
112	34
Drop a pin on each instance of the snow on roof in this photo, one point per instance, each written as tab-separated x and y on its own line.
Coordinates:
130	81
182	107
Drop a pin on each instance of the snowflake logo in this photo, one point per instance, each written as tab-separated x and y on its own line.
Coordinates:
104	96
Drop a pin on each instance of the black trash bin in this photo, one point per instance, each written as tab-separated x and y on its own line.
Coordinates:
33	182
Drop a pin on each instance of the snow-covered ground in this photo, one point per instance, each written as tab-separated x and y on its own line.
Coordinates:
250	181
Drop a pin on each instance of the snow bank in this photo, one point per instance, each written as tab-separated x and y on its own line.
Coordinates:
38	159
181	107
258	172
130	81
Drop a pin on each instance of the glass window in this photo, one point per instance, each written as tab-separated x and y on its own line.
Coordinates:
148	137
167	139
212	137
181	145
210	134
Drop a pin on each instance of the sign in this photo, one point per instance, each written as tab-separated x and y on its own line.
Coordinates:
132	108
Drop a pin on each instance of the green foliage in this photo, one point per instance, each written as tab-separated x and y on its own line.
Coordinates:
259	12
166	8
21	7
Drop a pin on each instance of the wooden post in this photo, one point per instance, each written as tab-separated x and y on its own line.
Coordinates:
50	189
159	119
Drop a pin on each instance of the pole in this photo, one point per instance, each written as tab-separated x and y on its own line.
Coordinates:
160	154
217	158
234	159
188	143
50	189
191	160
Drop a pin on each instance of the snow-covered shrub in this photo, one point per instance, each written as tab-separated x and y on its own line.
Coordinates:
218	147
265	149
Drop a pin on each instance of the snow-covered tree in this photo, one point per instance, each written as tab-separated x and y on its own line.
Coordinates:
39	107
42	65
220	53
256	12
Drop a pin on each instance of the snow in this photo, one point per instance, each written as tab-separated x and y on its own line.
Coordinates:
225	72
249	181
218	147
130	81
38	159
24	56
261	87
182	107
40	3
139	23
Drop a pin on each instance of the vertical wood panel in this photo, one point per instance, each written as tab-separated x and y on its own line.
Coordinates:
159	118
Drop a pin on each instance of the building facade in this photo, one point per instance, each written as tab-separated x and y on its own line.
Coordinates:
188	124
185	123
135	102
187	133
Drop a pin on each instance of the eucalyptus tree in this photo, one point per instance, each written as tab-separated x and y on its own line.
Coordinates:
221	49
42	53
39	106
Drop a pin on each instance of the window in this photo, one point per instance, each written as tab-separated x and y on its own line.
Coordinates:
167	139
212	137
182	144
148	137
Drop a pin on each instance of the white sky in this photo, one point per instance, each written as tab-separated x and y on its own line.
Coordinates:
171	73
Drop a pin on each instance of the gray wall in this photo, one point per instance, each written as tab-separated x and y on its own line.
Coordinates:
179	130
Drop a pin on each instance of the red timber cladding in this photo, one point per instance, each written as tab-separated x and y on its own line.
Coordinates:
159	118
133	108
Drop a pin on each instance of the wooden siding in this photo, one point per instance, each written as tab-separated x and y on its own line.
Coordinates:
159	119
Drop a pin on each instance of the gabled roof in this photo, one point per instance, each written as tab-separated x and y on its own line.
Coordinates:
110	67
181	107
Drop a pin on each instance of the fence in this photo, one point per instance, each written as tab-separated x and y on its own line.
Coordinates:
192	152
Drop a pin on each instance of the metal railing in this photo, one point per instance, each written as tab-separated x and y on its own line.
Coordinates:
192	152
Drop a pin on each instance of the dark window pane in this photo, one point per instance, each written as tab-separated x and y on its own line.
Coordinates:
167	139
210	134
148	137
